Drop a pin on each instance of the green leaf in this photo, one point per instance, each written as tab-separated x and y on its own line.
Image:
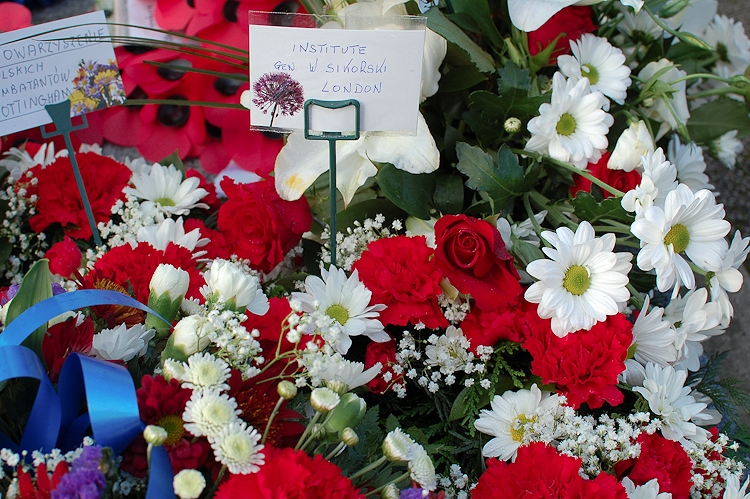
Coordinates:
35	287
512	103
410	192
6	248
449	194
391	423
441	25
525	252
480	12
587	208
704	127
174	159
459	409
461	78
512	77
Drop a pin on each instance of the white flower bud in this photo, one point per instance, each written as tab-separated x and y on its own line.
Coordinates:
169	279
229	282
390	492
188	484
512	125
349	437
397	445
324	399
286	390
192	334
155	435
633	143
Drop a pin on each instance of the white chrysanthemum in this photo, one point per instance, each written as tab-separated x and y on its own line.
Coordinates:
649	490
694	321
731	43
691	167
659	177
604	66
396	445
733	490
572	127
634	142
421	469
188	484
694	17
171	231
230	282
164	190
727	278
670	109
506	420
345	300
653	337
668	397
208	411
726	148
352	374
324	399
582	283
689	223
205	371
121	343
237	446
192	333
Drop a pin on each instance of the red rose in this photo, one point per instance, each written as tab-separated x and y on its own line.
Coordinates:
584	365
541	472
385	353
472	255
402	275
662	459
64	257
260	226
571	22
619	179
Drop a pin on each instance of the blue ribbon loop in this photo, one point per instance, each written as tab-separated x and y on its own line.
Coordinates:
106	388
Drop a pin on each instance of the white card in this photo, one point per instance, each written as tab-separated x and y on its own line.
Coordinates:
382	69
39	67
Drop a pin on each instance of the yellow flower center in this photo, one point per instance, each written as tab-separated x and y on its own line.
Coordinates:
566	125
338	313
165	202
679	237
174	426
576	280
590	72
517	430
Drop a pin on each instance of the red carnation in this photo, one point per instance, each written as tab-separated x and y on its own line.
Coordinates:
662	459
472	255
402	275
65	338
571	22
584	365
292	475
488	327
619	179
271	325
541	472
58	200
385	353
64	257
260	225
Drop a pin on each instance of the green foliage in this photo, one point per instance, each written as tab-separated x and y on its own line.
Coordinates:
174	159
479	12
441	25
588	208
727	394
704	127
35	287
410	192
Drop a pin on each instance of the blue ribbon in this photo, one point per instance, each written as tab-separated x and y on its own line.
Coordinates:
106	388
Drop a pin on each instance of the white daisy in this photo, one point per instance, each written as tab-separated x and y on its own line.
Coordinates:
237	446
352	374
727	278
649	490
691	167
733	490
346	301
667	396
671	108
694	321
634	142
659	177
121	343
17	161
602	64
208	412
726	148
639	27
583	283
164	190
731	43
239	289
204	371
653	337
507	418
689	223
573	127
171	231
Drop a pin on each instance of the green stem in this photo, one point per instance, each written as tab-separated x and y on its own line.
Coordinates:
307	431
627	242
335	451
270	419
382	487
693	76
635	297
368	468
218	481
527	205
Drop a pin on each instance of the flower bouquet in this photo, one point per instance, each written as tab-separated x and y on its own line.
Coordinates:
511	303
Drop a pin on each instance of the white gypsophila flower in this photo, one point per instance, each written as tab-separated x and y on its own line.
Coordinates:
121	343
208	412
726	148
346	301
204	371
421	469
171	231
192	333
164	190
667	396
659	177
689	223
188	484
733	490
229	282
582	283
691	167
634	142
727	278
169	279
450	352
237	446
694	321
670	109
653	337
649	490
396	445
731	43
572	127
602	64
352	374
507	419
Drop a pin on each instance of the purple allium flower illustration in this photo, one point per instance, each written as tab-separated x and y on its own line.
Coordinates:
279	92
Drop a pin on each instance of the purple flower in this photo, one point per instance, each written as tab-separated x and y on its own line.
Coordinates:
279	92
413	494
85	480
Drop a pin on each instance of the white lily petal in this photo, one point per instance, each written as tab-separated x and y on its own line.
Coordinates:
351	172
529	15
411	153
